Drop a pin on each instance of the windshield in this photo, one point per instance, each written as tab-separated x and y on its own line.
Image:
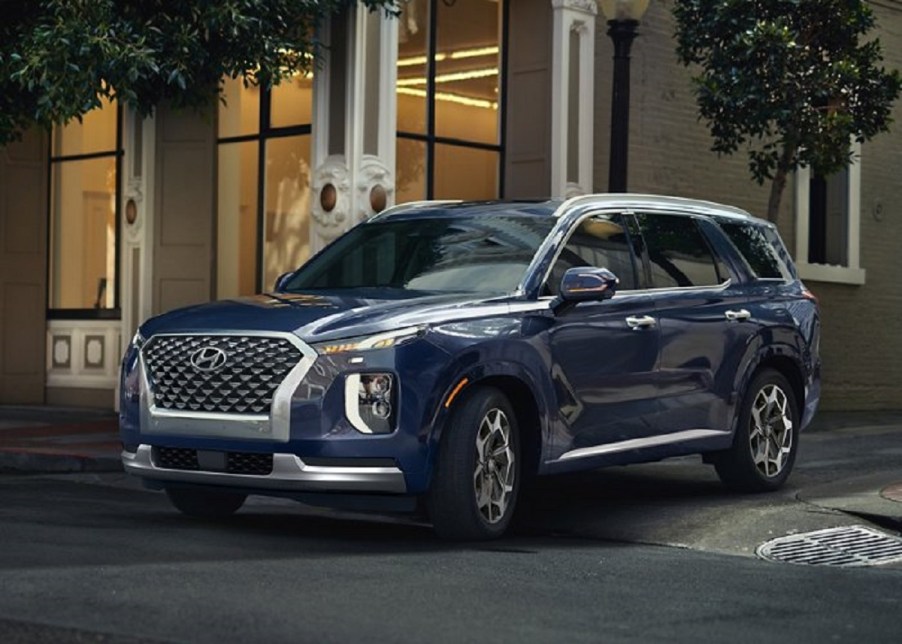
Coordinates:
486	253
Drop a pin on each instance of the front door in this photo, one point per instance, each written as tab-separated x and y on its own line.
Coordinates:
604	354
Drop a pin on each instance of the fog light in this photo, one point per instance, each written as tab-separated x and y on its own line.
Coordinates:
369	402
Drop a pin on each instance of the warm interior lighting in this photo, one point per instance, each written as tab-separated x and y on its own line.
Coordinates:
454	55
450	78
451	98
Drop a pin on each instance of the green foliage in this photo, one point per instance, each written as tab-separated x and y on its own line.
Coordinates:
61	58
792	81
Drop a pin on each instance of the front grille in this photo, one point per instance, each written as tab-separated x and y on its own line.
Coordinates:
176	458
245	384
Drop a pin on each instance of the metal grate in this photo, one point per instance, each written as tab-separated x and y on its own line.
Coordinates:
245	384
846	546
178	458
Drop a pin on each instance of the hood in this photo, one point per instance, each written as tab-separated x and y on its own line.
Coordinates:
324	316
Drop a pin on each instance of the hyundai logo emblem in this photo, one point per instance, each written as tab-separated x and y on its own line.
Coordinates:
208	359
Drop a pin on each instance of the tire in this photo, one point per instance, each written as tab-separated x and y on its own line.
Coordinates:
205	503
474	491
766	440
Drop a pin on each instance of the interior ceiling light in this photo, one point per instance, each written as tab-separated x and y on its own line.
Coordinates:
454	55
450	78
451	98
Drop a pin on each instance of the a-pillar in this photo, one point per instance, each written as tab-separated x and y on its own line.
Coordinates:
573	95
354	122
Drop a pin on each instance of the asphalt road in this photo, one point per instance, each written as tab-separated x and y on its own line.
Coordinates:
649	553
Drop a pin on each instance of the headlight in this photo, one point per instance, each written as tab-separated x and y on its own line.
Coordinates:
367	343
370	402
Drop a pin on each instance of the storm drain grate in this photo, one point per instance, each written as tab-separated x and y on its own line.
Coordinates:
853	545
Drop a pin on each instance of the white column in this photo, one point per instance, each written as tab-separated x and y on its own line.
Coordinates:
357	180
572	16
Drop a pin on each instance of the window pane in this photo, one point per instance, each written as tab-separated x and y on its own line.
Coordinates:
758	252
411	163
412	57
465	173
601	242
236	241
292	102
240	114
95	133
286	244
828	223
482	252
468	60
83	234
677	252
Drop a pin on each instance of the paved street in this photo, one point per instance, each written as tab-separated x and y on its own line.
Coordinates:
648	553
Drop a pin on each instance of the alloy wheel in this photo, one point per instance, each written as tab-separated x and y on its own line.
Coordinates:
770	433
493	478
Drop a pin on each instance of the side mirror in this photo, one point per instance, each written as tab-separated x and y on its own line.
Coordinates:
282	280
588	284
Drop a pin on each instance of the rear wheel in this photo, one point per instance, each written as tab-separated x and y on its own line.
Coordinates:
766	441
204	503
477	477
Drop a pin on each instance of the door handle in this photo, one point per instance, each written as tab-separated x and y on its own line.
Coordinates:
737	316
644	322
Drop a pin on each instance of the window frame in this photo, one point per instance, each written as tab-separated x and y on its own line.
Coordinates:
114	313
852	273
430	139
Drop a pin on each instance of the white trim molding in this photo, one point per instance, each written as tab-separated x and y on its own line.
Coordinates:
851	272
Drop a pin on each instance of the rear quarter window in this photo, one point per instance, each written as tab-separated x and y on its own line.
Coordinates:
761	251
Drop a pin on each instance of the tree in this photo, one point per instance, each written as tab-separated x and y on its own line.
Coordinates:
60	58
792	81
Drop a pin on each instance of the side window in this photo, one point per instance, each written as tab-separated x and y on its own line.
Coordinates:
759	252
678	253
600	241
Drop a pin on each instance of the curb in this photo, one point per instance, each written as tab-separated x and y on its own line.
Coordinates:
31	463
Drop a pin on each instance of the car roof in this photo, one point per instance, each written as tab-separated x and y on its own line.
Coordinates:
558	207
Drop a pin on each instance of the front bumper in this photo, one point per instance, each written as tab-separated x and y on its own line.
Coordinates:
289	473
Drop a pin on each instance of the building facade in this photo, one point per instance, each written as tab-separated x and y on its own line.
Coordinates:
106	222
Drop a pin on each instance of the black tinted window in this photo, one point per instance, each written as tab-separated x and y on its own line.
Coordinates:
600	241
760	254
678	253
485	253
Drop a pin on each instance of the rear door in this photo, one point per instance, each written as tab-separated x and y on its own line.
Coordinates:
704	321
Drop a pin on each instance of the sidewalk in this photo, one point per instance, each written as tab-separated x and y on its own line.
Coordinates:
58	439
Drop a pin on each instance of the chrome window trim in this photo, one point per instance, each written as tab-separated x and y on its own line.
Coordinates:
289	472
640	443
275	426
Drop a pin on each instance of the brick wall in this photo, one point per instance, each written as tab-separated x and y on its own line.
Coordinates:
670	154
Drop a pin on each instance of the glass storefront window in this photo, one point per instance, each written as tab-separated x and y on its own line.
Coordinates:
236	238
287	221
449	112
83	204
259	239
465	173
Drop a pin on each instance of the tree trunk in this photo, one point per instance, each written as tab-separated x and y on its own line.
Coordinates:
778	185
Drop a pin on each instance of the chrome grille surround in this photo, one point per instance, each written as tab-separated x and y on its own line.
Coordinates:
271	425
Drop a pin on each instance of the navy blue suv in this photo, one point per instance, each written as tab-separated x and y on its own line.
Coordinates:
442	354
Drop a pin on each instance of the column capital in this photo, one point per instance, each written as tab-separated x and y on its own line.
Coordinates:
583	6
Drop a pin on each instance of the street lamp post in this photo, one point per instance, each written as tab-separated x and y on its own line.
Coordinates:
623	19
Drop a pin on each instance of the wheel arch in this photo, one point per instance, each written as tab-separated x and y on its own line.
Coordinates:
786	365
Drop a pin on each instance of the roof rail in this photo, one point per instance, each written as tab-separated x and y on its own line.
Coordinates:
412	205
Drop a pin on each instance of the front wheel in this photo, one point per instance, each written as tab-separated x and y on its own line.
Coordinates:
477	477
767	437
205	504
